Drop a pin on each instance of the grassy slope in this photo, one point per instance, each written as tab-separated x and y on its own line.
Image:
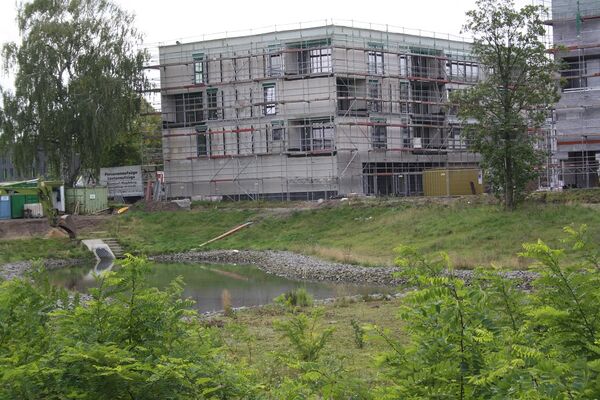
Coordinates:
472	234
365	233
27	249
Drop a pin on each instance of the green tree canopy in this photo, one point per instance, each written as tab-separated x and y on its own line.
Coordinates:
503	111
140	143
78	72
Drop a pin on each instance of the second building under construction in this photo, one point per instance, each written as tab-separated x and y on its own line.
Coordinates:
312	113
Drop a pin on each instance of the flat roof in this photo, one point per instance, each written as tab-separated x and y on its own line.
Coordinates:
288	34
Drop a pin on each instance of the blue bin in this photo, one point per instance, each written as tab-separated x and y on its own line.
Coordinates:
4	207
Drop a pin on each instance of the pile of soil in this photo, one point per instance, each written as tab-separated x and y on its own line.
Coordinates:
23	228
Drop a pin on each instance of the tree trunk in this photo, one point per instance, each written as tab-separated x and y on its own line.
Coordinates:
509	197
509	184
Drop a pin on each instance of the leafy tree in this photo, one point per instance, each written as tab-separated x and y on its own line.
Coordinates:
78	72
502	112
143	135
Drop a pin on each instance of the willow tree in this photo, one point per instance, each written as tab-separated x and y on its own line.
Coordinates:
78	69
503	111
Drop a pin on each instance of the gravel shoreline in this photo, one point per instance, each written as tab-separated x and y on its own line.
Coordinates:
297	266
281	263
18	268
290	265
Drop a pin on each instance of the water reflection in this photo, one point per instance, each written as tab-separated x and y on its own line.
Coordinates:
214	286
103	265
105	262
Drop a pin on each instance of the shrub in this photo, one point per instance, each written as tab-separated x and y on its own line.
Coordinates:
359	334
298	297
490	339
128	341
304	334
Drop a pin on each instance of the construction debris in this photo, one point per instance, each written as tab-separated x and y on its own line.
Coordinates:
229	232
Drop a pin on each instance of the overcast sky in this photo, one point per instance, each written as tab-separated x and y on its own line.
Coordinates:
186	20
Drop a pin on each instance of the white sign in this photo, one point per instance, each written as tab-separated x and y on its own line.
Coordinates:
122	181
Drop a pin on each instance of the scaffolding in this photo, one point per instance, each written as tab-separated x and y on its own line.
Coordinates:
311	113
572	137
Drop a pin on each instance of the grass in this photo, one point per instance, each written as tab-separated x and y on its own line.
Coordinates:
358	231
260	345
473	234
173	231
571	196
28	249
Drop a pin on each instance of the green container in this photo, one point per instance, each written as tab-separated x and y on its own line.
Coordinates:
32	199
86	200
17	202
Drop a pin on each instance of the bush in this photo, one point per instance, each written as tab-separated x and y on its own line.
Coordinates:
298	297
490	339
359	334
303	333
127	341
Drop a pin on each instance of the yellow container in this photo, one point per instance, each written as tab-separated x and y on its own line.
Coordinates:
452	182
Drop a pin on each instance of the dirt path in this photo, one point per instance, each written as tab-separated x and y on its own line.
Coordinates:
37	227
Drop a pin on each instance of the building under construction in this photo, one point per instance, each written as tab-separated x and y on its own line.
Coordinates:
574	28
312	113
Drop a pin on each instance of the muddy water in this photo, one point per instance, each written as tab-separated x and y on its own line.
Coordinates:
206	283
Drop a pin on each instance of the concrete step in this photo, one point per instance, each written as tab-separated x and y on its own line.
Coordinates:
115	247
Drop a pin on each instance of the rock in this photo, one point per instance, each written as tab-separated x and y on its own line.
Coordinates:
207	198
17	269
291	265
56	233
185	204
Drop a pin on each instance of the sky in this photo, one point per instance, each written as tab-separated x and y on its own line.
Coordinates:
186	20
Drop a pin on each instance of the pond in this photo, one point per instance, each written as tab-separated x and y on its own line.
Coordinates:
205	283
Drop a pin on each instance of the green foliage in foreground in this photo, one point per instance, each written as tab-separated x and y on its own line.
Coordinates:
483	339
489	339
302	332
128	341
311	375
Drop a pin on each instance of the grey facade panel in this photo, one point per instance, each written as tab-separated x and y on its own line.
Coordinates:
303	111
576	26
